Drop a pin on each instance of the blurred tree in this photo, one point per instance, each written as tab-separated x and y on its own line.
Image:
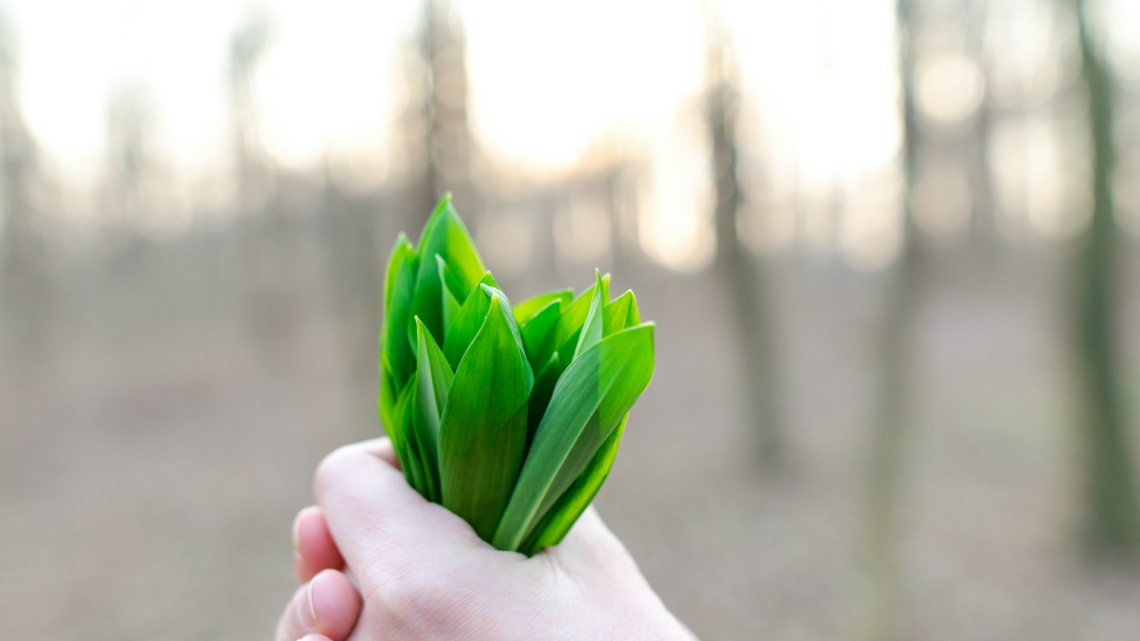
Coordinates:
25	289
128	155
1112	520
247	47
267	240
438	114
18	154
880	593
735	262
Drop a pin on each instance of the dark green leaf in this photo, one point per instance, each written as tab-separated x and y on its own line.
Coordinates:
483	432
433	378
540	395
450	294
536	330
589	401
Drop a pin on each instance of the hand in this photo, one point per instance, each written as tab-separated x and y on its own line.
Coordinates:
425	574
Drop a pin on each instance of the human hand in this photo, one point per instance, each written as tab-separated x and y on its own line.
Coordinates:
425	574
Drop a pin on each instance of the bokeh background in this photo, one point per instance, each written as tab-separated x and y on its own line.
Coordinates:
891	249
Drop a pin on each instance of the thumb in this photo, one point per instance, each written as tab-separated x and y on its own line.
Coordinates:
375	516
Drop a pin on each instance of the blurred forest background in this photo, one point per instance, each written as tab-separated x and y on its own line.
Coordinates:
892	249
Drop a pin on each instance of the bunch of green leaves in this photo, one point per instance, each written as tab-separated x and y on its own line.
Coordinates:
509	416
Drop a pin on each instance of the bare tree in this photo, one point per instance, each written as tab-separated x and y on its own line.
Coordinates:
18	155
438	111
735	262
1112	520
889	432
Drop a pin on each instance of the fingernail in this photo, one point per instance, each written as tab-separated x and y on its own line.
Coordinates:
297	524
307	613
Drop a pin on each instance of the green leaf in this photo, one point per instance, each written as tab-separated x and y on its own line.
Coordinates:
401	290
588	403
469	320
536	330
526	310
405	446
564	338
433	378
483	433
401	248
389	394
450	293
445	235
621	313
570	505
591	333
540	395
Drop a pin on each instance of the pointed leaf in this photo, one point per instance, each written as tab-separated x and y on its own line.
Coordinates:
536	330
564	337
470	320
589	401
451	293
395	344
591	332
445	235
526	310
621	313
483	432
433	378
570	505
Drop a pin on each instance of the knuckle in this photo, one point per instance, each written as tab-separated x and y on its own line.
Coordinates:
329	469
414	601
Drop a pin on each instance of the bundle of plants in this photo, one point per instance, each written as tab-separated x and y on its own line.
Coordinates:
509	416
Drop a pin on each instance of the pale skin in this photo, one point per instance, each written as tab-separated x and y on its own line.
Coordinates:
420	572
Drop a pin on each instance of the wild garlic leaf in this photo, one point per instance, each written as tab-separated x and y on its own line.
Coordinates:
574	501
527	309
588	402
447	236
483	433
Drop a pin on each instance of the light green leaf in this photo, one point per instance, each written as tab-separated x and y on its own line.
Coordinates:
591	332
570	505
526	310
589	401
621	313
445	235
483	433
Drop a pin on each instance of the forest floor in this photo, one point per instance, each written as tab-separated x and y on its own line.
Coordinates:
149	472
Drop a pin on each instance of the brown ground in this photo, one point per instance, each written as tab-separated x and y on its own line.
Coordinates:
151	462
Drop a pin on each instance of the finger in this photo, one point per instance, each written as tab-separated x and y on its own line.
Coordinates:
371	510
328	605
315	637
313	547
382	448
